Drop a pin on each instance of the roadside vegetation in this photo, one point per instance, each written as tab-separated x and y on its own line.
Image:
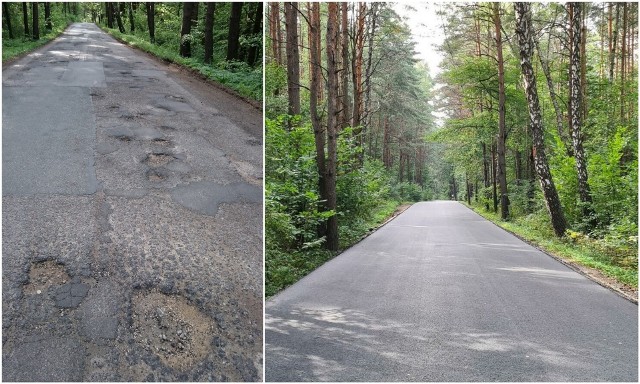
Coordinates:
24	30
615	259
222	41
586	81
341	154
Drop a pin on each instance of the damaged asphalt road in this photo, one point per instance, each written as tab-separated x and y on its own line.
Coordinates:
132	220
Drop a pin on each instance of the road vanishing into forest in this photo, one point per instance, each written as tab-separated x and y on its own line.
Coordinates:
132	216
441	294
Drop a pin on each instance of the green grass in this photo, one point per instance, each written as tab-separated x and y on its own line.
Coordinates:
242	79
617	262
285	268
12	48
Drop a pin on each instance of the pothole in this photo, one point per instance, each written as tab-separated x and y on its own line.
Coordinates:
171	328
248	172
156	175
161	142
158	159
172	97
43	275
124	138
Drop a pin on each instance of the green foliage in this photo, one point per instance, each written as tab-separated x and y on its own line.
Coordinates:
605	238
237	75
618	261
406	191
22	44
275	89
293	209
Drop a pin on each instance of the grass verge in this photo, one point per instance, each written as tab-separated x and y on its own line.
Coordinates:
246	82
282	269
16	48
619	265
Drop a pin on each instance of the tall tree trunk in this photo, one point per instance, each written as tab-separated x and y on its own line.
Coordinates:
7	18
132	26
293	58
25	19
109	12
468	185
373	17
35	21
623	57
151	25
274	26
47	16
502	130
525	42
320	138
332	123
575	107
357	69
583	63
345	116
117	10
252	55
613	39
185	31
208	32
494	179
233	42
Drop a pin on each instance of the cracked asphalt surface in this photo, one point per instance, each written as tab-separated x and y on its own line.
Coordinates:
132	220
441	294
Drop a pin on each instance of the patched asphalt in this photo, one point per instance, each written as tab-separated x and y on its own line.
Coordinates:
125	178
441	294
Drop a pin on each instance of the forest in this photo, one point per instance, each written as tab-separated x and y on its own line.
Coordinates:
26	26
532	122
222	41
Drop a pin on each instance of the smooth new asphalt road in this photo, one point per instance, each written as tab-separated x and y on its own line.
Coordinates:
441	294
132	219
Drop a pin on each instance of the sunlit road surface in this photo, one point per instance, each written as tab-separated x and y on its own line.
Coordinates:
441	294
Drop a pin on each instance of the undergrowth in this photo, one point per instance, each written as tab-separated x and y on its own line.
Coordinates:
283	269
12	48
238	76
615	259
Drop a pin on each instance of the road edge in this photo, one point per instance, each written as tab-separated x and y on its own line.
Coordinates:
254	103
9	62
399	210
581	269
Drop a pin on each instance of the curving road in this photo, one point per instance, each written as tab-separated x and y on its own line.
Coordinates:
132	204
441	294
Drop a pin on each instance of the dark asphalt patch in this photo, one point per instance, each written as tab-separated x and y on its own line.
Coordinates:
70	295
45	359
48	149
205	197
